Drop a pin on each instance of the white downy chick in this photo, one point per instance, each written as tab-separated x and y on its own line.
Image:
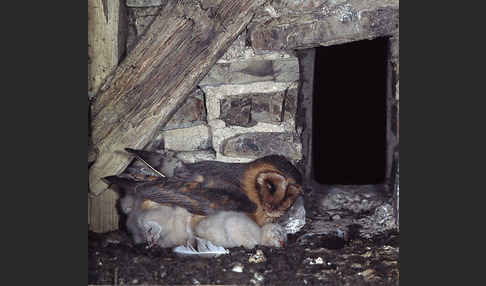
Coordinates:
127	203
169	226
163	225
131	206
233	229
273	235
166	226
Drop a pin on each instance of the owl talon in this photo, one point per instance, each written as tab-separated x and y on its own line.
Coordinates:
151	242
150	238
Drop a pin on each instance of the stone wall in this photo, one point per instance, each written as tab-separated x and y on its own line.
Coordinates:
247	105
257	99
243	109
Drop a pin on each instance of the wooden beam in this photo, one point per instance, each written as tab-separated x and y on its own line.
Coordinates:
105	47
102	212
176	52
91	150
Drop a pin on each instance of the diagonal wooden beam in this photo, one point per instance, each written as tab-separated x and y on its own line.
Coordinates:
181	45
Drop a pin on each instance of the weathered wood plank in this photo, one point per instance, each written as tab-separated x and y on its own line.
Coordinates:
102	212
105	47
91	150
103	50
178	49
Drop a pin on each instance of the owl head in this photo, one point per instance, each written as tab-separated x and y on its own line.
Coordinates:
278	184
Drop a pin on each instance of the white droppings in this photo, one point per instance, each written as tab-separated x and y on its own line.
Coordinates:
237	268
258	276
318	260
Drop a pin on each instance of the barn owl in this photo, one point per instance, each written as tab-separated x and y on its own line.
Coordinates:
166	210
264	188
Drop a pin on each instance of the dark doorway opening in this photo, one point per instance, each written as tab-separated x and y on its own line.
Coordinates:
349	113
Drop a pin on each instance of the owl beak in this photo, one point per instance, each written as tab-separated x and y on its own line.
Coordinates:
269	208
271	211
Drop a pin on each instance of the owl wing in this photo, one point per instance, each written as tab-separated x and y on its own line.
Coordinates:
189	195
211	173
164	164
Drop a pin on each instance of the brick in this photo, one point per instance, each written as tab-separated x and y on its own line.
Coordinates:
187	139
191	113
259	144
282	70
143	3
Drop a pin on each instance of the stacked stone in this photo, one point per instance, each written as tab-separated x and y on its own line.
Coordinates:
251	102
244	108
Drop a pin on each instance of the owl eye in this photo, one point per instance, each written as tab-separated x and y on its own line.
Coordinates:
271	188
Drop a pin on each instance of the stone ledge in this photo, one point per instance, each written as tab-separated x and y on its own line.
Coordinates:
196	156
214	94
258	144
143	3
281	70
220	132
186	139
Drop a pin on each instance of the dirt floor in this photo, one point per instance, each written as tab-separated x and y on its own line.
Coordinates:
307	259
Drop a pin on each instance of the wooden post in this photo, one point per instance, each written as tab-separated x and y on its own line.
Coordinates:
103	215
178	49
104	51
103	46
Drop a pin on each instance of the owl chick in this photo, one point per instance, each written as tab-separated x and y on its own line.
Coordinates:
233	229
168	226
264	188
131	206
156	224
